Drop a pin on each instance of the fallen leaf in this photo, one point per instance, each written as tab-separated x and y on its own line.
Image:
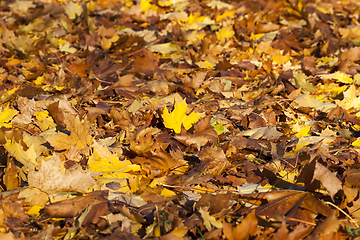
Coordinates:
178	117
79	135
209	221
71	207
327	179
52	177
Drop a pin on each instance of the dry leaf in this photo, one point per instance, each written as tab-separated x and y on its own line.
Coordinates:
327	179
52	177
79	135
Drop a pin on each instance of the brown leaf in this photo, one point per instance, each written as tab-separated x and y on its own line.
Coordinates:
294	205
242	143
327	179
215	203
213	161
71	207
299	232
79	69
330	225
352	178
195	81
282	233
121	117
143	139
198	139
13	209
159	161
146	63
247	227
11	178
59	109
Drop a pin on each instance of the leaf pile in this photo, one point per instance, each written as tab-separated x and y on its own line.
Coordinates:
171	119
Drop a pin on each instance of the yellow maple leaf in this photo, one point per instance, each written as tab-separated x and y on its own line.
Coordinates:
112	168
167	193
196	17
229	14
178	117
44	121
16	150
147	5
35	210
300	80
288	176
73	10
343	77
106	42
13	61
351	99
6	115
66	48
303	132
227	32
356	143
209	220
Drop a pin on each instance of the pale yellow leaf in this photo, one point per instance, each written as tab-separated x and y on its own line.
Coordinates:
209	221
51	178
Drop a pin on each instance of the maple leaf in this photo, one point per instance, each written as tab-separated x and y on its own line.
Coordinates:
109	168
51	176
178	117
209	220
73	10
112	167
65	47
79	136
6	115
16	150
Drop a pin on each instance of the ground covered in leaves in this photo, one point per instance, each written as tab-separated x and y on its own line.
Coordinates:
175	119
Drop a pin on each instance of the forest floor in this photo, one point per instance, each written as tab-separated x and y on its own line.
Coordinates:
176	119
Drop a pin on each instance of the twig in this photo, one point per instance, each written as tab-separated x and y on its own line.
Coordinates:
347	215
301	221
199	188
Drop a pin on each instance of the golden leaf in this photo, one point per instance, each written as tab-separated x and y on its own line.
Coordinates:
178	117
79	135
6	115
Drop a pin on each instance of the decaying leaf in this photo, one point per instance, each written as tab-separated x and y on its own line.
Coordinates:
53	177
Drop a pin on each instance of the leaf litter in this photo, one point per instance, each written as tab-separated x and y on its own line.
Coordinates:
179	119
